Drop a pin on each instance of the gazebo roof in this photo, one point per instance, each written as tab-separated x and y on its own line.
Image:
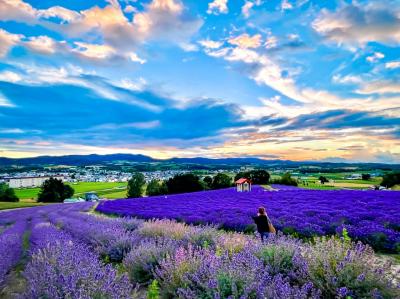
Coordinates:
242	181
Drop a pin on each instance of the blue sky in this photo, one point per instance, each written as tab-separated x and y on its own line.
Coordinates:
287	79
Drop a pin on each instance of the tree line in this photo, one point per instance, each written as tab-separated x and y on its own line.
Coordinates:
189	182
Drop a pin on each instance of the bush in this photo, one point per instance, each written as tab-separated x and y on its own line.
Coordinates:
135	185
7	194
390	179
221	180
54	190
142	260
182	183
286	179
156	187
175	271
341	269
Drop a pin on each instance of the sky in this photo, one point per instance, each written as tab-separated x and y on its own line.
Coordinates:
287	79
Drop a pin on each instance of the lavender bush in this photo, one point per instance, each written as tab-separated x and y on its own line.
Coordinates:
11	246
62	267
304	213
178	260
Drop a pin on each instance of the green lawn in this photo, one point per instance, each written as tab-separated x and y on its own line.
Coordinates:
15	205
103	189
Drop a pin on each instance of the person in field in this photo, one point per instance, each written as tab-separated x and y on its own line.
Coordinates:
264	224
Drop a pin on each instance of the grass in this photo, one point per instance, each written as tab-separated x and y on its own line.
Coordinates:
16	205
108	189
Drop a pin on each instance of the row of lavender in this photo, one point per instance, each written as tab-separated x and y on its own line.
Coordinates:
183	261
368	216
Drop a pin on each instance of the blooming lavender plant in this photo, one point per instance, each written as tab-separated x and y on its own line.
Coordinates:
304	213
62	267
11	246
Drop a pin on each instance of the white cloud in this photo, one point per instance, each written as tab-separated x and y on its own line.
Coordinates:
9	76
357	24
135	58
218	7
210	44
248	5
94	51
348	79
7	41
286	5
42	44
66	15
162	20
392	65
246	41
271	42
5	102
375	57
246	8
266	71
380	87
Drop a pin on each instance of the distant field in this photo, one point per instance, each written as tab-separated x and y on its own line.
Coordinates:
103	189
21	204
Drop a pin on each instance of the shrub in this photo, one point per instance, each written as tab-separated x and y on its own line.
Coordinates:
7	194
141	261
54	190
164	228
135	185
341	269
67	269
174	271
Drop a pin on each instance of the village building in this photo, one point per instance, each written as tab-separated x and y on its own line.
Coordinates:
28	181
243	185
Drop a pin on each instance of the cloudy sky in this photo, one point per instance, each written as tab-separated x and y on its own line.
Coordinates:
287	79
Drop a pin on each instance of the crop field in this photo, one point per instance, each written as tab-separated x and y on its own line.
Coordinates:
368	216
103	189
65	251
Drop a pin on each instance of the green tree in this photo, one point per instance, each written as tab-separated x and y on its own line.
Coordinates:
54	190
135	185
182	183
258	176
156	187
221	180
286	179
208	182
366	176
390	179
323	179
7	193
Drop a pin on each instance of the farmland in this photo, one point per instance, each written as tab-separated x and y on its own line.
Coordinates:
100	257
304	213
103	189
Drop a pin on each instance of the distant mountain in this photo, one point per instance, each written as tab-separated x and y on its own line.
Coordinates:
75	160
81	160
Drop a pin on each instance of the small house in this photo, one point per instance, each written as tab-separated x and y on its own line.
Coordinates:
243	185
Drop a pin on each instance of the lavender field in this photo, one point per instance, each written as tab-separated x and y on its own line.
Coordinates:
65	251
372	217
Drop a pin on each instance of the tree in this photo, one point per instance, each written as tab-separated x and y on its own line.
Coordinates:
208	182
323	179
135	185
182	183
221	180
156	187
54	190
7	193
366	176
286	179
390	179
258	176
